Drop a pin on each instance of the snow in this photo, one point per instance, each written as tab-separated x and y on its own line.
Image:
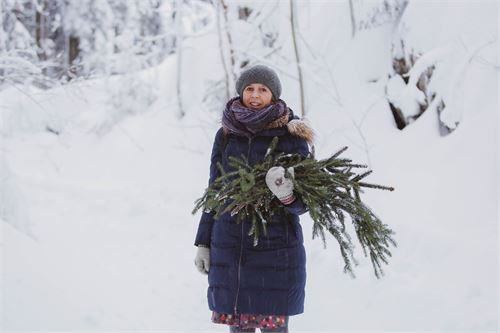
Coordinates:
96	225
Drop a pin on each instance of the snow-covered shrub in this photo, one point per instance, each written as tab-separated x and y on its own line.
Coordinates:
428	73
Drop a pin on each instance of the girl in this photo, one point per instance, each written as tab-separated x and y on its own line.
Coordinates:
256	286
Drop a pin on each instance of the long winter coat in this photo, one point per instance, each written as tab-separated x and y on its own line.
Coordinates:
270	277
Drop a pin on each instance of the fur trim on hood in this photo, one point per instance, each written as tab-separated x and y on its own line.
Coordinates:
301	128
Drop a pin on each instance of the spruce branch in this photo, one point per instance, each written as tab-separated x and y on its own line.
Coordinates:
330	188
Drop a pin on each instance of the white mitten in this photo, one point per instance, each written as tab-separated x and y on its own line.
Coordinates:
281	187
202	260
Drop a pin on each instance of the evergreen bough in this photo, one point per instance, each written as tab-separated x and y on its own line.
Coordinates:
329	188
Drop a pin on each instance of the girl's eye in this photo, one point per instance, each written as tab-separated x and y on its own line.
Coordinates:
263	89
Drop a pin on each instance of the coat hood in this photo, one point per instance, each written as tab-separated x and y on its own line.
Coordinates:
302	129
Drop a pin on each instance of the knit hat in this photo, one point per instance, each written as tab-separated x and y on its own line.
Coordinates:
259	74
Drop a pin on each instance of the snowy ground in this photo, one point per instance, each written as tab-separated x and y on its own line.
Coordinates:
106	238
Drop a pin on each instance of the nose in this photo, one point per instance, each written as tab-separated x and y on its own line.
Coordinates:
254	93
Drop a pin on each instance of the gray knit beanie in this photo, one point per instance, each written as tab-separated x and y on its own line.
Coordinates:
259	74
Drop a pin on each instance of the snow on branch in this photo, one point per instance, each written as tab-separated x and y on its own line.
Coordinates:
425	61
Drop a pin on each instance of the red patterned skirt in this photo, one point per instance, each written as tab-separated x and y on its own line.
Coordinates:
244	321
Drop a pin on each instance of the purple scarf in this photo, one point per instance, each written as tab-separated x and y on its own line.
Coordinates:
243	121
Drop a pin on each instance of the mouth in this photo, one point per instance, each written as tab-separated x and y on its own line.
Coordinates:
254	104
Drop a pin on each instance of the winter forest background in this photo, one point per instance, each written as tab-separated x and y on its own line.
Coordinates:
108	110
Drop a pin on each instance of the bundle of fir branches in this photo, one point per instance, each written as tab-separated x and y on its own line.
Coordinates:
328	187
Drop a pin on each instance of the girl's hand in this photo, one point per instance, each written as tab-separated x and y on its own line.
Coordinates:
280	186
202	260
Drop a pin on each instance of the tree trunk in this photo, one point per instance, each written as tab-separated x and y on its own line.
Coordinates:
73	52
221	51
229	44
297	57
353	20
42	29
180	37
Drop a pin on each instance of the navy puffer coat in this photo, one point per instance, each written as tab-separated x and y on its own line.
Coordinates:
268	278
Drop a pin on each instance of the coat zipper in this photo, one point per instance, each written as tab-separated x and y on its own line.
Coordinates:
239	270
241	244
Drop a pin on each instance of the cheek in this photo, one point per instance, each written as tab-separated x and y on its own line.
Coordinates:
269	98
245	99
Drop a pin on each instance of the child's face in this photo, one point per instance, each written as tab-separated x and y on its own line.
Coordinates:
257	96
